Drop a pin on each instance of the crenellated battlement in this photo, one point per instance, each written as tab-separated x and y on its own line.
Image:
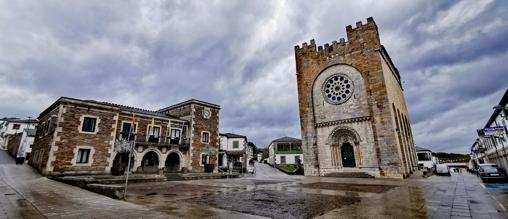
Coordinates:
360	37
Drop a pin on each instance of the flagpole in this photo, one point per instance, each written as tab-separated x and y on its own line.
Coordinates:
131	143
128	164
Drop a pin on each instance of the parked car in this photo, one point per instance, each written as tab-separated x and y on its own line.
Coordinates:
442	169
491	172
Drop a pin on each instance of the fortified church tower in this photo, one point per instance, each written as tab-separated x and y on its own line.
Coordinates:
353	112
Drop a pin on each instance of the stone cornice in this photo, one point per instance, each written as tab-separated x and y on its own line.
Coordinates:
343	121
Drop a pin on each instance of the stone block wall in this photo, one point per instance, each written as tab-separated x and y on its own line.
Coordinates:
361	52
63	154
400	116
44	140
199	124
55	150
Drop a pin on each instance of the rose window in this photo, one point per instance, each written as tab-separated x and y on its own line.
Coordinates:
338	89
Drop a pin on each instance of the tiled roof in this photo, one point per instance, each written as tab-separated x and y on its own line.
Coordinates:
14	119
113	105
232	135
200	102
134	109
503	102
287	139
422	149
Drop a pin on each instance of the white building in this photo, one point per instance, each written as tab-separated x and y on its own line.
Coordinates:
11	126
20	144
425	158
234	151
285	150
492	143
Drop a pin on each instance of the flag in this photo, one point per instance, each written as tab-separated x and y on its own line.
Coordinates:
133	120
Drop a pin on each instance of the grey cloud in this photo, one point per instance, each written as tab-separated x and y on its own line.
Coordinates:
240	55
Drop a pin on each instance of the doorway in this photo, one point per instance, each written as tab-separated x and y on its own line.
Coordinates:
348	155
173	163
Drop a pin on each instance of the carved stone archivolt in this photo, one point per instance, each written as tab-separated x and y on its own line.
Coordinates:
343	134
340	136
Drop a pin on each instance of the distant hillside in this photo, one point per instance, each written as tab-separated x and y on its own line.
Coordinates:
452	157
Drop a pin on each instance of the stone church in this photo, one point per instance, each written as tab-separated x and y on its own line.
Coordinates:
353	113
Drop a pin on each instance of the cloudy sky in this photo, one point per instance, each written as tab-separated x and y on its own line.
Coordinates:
240	54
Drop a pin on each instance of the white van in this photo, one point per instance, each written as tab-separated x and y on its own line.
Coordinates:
442	169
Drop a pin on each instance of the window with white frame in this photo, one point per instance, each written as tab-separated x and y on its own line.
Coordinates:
153	134
205	137
16	126
83	156
89	124
175	136
236	144
126	129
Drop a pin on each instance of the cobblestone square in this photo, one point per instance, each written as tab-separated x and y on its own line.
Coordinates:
26	194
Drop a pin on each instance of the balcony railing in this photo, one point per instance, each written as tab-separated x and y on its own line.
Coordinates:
157	141
290	152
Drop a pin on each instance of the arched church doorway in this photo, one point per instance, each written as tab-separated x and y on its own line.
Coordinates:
173	162
348	155
344	147
120	163
150	162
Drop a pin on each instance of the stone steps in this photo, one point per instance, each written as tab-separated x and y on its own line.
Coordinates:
349	175
174	176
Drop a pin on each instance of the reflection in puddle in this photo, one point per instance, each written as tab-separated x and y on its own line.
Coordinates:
276	204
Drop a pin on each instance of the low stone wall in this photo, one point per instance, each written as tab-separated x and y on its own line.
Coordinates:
111	186
112	191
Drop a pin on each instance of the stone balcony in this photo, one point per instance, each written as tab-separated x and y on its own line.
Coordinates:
162	141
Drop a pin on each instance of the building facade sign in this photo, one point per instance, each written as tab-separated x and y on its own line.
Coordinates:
494	131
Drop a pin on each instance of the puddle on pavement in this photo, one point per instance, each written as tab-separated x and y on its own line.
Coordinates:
166	197
267	182
370	188
275	204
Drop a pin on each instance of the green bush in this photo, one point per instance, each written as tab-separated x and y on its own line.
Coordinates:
288	168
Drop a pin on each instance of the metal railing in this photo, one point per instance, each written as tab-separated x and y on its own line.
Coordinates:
161	140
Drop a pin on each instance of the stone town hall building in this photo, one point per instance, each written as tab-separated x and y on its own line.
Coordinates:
352	109
90	137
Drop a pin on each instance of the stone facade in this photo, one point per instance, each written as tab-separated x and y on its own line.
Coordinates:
169	147
366	120
203	117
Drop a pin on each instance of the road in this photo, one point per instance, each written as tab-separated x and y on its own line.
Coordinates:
26	194
266	171
5	158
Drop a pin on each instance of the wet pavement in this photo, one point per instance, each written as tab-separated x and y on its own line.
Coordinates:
25	194
284	196
39	197
12	203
